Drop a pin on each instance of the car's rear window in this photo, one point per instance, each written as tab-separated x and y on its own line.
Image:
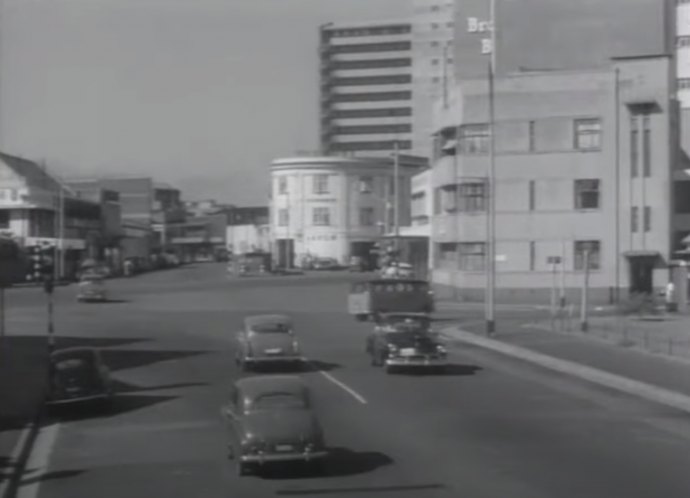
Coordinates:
278	400
271	328
72	364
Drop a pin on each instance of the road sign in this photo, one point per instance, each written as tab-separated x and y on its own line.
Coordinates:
553	260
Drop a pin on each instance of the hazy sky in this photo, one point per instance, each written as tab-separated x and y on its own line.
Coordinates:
200	93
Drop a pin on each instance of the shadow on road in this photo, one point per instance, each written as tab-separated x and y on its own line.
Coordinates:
453	369
361	489
127	388
58	474
122	359
321	366
120	404
341	462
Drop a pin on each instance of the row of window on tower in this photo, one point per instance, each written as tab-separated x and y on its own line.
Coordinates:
321	216
471	256
320	184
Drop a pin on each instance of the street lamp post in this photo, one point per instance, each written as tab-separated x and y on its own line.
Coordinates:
396	194
491	194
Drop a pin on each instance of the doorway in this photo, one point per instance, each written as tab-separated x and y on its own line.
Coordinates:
286	253
641	274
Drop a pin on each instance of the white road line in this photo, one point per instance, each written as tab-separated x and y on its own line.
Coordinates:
344	387
39	460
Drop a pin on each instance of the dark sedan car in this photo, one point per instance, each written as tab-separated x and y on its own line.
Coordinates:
78	375
267	340
406	349
270	420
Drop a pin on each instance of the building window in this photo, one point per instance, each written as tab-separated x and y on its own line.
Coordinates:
4	219
435	8
587	194
366	184
282	185
683	83
474	139
435	79
634	215
588	134
532	256
683	41
471	256
634	147
435	43
472	197
434	25
434	62
448	199
590	247
681	197
532	136
283	217
532	195
647	221
320	185
321	216
366	216
646	147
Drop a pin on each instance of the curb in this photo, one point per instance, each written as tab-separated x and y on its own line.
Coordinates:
649	392
20	456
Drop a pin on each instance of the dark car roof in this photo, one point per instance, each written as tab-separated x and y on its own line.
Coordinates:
254	320
256	386
397	281
406	314
75	352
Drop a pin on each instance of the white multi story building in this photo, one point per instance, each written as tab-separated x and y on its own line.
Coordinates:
683	51
433	26
366	88
335	207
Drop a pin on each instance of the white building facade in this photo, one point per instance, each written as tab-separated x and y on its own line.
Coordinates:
683	51
334	207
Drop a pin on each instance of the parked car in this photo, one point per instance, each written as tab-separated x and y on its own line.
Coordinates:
406	349
78	375
267	339
92	288
270	420
367	299
325	264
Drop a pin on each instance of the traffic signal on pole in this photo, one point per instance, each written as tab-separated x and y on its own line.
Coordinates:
41	262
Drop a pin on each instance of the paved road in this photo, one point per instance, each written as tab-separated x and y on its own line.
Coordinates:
491	427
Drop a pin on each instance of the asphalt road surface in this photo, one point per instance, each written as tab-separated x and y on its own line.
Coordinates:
490	427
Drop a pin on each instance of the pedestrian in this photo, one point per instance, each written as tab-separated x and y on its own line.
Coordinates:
670	296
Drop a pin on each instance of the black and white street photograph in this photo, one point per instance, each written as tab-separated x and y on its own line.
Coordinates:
345	248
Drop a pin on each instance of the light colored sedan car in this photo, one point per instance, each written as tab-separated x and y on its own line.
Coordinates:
270	420
267	339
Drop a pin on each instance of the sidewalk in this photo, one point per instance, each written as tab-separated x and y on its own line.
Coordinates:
663	334
23	377
661	371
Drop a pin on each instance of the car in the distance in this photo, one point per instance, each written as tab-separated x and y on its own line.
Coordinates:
326	264
414	349
267	340
78	375
92	289
270	419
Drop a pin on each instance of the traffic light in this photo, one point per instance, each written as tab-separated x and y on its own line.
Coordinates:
41	263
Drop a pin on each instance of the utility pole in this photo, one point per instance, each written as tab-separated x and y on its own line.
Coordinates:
584	326
491	214
396	194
